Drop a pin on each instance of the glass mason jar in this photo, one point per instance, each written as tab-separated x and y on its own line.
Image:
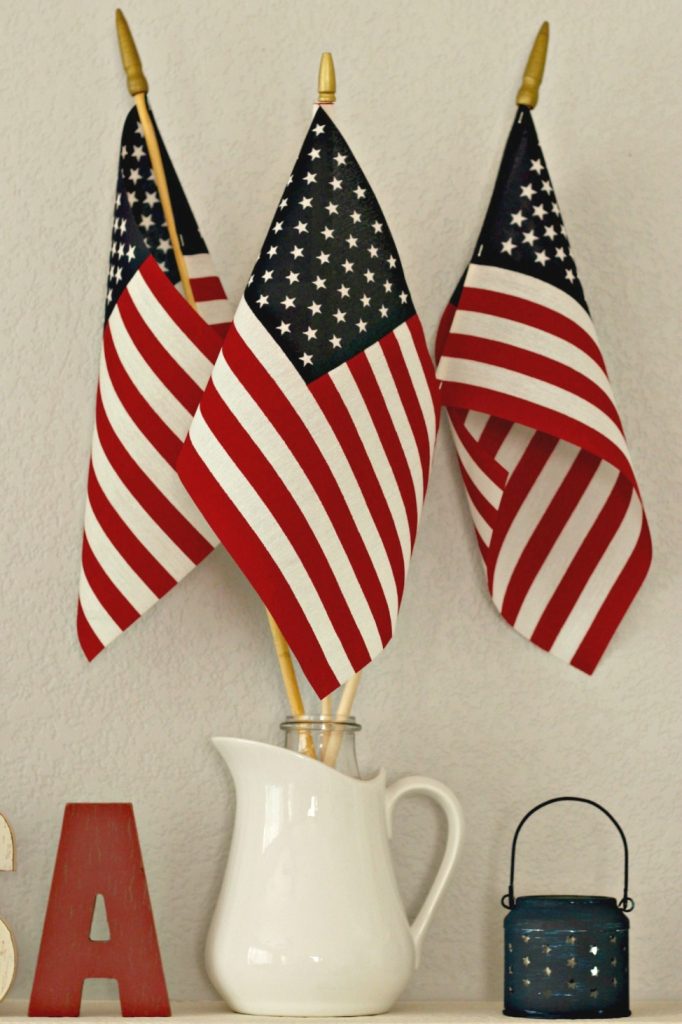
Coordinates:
327	738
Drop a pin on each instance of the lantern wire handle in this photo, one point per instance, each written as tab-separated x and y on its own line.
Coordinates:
508	900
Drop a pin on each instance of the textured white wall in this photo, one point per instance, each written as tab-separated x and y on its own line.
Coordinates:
427	91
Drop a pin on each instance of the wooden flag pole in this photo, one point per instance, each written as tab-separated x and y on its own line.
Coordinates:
343	710
527	95
138	88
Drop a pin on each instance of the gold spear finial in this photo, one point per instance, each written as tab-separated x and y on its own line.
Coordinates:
326	80
132	64
527	95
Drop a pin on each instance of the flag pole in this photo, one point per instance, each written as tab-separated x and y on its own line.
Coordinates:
527	95
326	95
138	88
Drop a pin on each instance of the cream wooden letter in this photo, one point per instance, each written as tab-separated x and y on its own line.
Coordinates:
7	951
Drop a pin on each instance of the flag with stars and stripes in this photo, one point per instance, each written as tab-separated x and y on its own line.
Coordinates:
311	448
551	489
142	532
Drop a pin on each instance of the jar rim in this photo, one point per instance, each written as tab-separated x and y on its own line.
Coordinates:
566	899
292	722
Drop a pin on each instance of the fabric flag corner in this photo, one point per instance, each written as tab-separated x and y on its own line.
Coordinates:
142	532
550	485
310	452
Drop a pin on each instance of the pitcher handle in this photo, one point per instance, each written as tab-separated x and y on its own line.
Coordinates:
450	806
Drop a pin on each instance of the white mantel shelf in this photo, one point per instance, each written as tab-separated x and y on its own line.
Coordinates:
404	1013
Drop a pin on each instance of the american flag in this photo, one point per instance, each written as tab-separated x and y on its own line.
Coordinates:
311	449
551	489
142	532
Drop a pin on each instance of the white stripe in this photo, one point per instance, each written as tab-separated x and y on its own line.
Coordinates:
271	357
346	385
523	286
136	518
396	410
565	547
530	389
280	458
513	448
527	517
214	311
277	544
114	565
167	333
599	585
153	390
476	422
98	618
408	348
148	458
519	335
485	484
200	264
483	528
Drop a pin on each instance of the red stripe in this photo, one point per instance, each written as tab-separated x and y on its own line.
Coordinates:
177	307
249	458
583	565
494	434
547	531
481	504
519	484
161	510
409	401
539	417
297	435
368	386
125	541
257	565
341	422
510	307
90	643
137	407
444	331
616	604
537	367
106	592
159	360
207	289
417	331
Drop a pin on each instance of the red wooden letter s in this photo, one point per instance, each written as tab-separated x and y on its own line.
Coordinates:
99	852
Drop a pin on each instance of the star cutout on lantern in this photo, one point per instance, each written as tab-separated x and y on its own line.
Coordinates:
594	971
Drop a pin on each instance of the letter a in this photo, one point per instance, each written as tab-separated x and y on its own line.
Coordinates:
99	853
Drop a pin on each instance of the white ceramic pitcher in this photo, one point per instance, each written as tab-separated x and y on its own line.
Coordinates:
309	921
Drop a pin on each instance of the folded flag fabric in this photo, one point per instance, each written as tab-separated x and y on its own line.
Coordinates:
142	531
551	489
311	449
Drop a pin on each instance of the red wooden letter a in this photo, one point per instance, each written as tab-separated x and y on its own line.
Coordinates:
99	852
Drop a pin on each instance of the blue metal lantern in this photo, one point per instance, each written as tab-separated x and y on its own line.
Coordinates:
566	956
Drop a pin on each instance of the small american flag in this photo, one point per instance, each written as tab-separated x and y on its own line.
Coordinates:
311	449
552	492
142	531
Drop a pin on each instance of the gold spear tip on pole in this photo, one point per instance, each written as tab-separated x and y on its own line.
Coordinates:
326	80
527	95
132	64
